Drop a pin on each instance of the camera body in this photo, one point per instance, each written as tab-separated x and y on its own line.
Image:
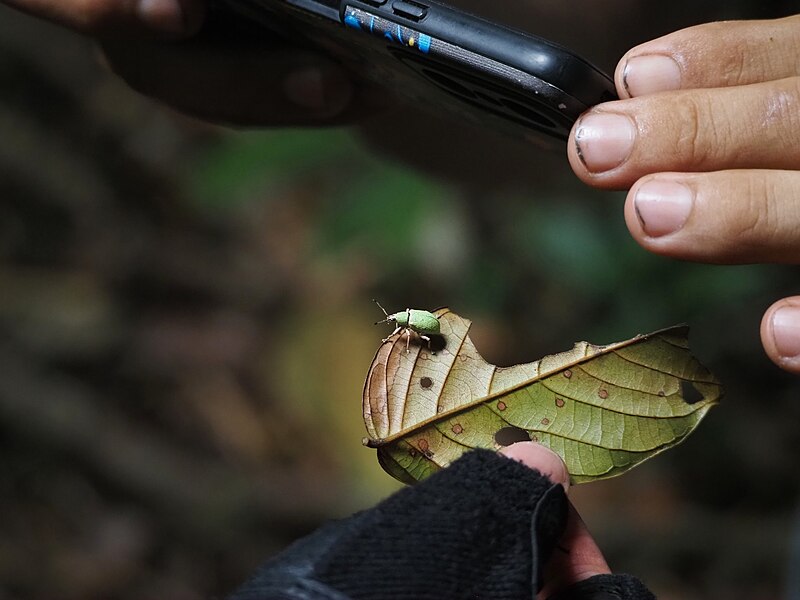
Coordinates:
445	61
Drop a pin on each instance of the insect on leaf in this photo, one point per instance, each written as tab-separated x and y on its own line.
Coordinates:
603	409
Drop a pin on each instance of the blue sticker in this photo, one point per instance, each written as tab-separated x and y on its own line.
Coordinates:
352	21
386	29
424	43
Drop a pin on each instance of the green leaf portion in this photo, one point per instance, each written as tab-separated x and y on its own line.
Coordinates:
604	409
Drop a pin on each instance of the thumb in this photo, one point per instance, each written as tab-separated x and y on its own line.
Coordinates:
577	556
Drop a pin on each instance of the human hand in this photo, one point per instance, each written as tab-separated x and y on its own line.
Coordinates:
483	527
158	47
577	560
707	138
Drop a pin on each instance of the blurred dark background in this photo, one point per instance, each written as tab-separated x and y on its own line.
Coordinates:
186	321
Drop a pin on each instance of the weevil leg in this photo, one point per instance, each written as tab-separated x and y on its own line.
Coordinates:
408	338
386	339
428	340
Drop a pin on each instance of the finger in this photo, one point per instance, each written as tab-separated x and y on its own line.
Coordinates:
241	85
723	217
780	334
173	18
755	126
576	557
712	55
538	457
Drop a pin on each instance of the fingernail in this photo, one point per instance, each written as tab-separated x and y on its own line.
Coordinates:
604	141
166	16
662	207
651	73
541	458
786	331
319	91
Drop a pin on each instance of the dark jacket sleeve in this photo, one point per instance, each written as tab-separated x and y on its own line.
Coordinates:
478	530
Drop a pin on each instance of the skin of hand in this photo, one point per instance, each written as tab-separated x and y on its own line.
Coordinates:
582	558
707	139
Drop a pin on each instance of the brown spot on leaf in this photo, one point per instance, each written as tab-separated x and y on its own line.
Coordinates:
603	394
501	405
662	393
426	383
560	402
423	445
457	428
545	421
568	374
534	438
412	452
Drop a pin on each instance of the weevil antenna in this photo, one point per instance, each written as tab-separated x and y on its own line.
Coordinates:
379	306
386	320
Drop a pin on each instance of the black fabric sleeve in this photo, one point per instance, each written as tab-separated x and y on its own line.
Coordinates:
478	530
606	587
472	531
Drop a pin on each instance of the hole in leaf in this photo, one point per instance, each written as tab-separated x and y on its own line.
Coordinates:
690	394
511	435
437	343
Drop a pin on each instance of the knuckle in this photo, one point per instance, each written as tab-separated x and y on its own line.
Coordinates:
782	112
733	69
733	52
757	219
701	136
790	30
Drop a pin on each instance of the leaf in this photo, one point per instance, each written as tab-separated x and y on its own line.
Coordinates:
603	409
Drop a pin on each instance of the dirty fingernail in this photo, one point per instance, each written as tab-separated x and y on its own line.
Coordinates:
651	73
318	90
786	331
604	141
662	207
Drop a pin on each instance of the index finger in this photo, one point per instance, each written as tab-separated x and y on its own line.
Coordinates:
712	55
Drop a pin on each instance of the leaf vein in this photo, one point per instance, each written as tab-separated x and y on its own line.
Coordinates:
654	369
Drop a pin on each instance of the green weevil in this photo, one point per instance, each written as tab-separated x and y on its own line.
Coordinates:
421	322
